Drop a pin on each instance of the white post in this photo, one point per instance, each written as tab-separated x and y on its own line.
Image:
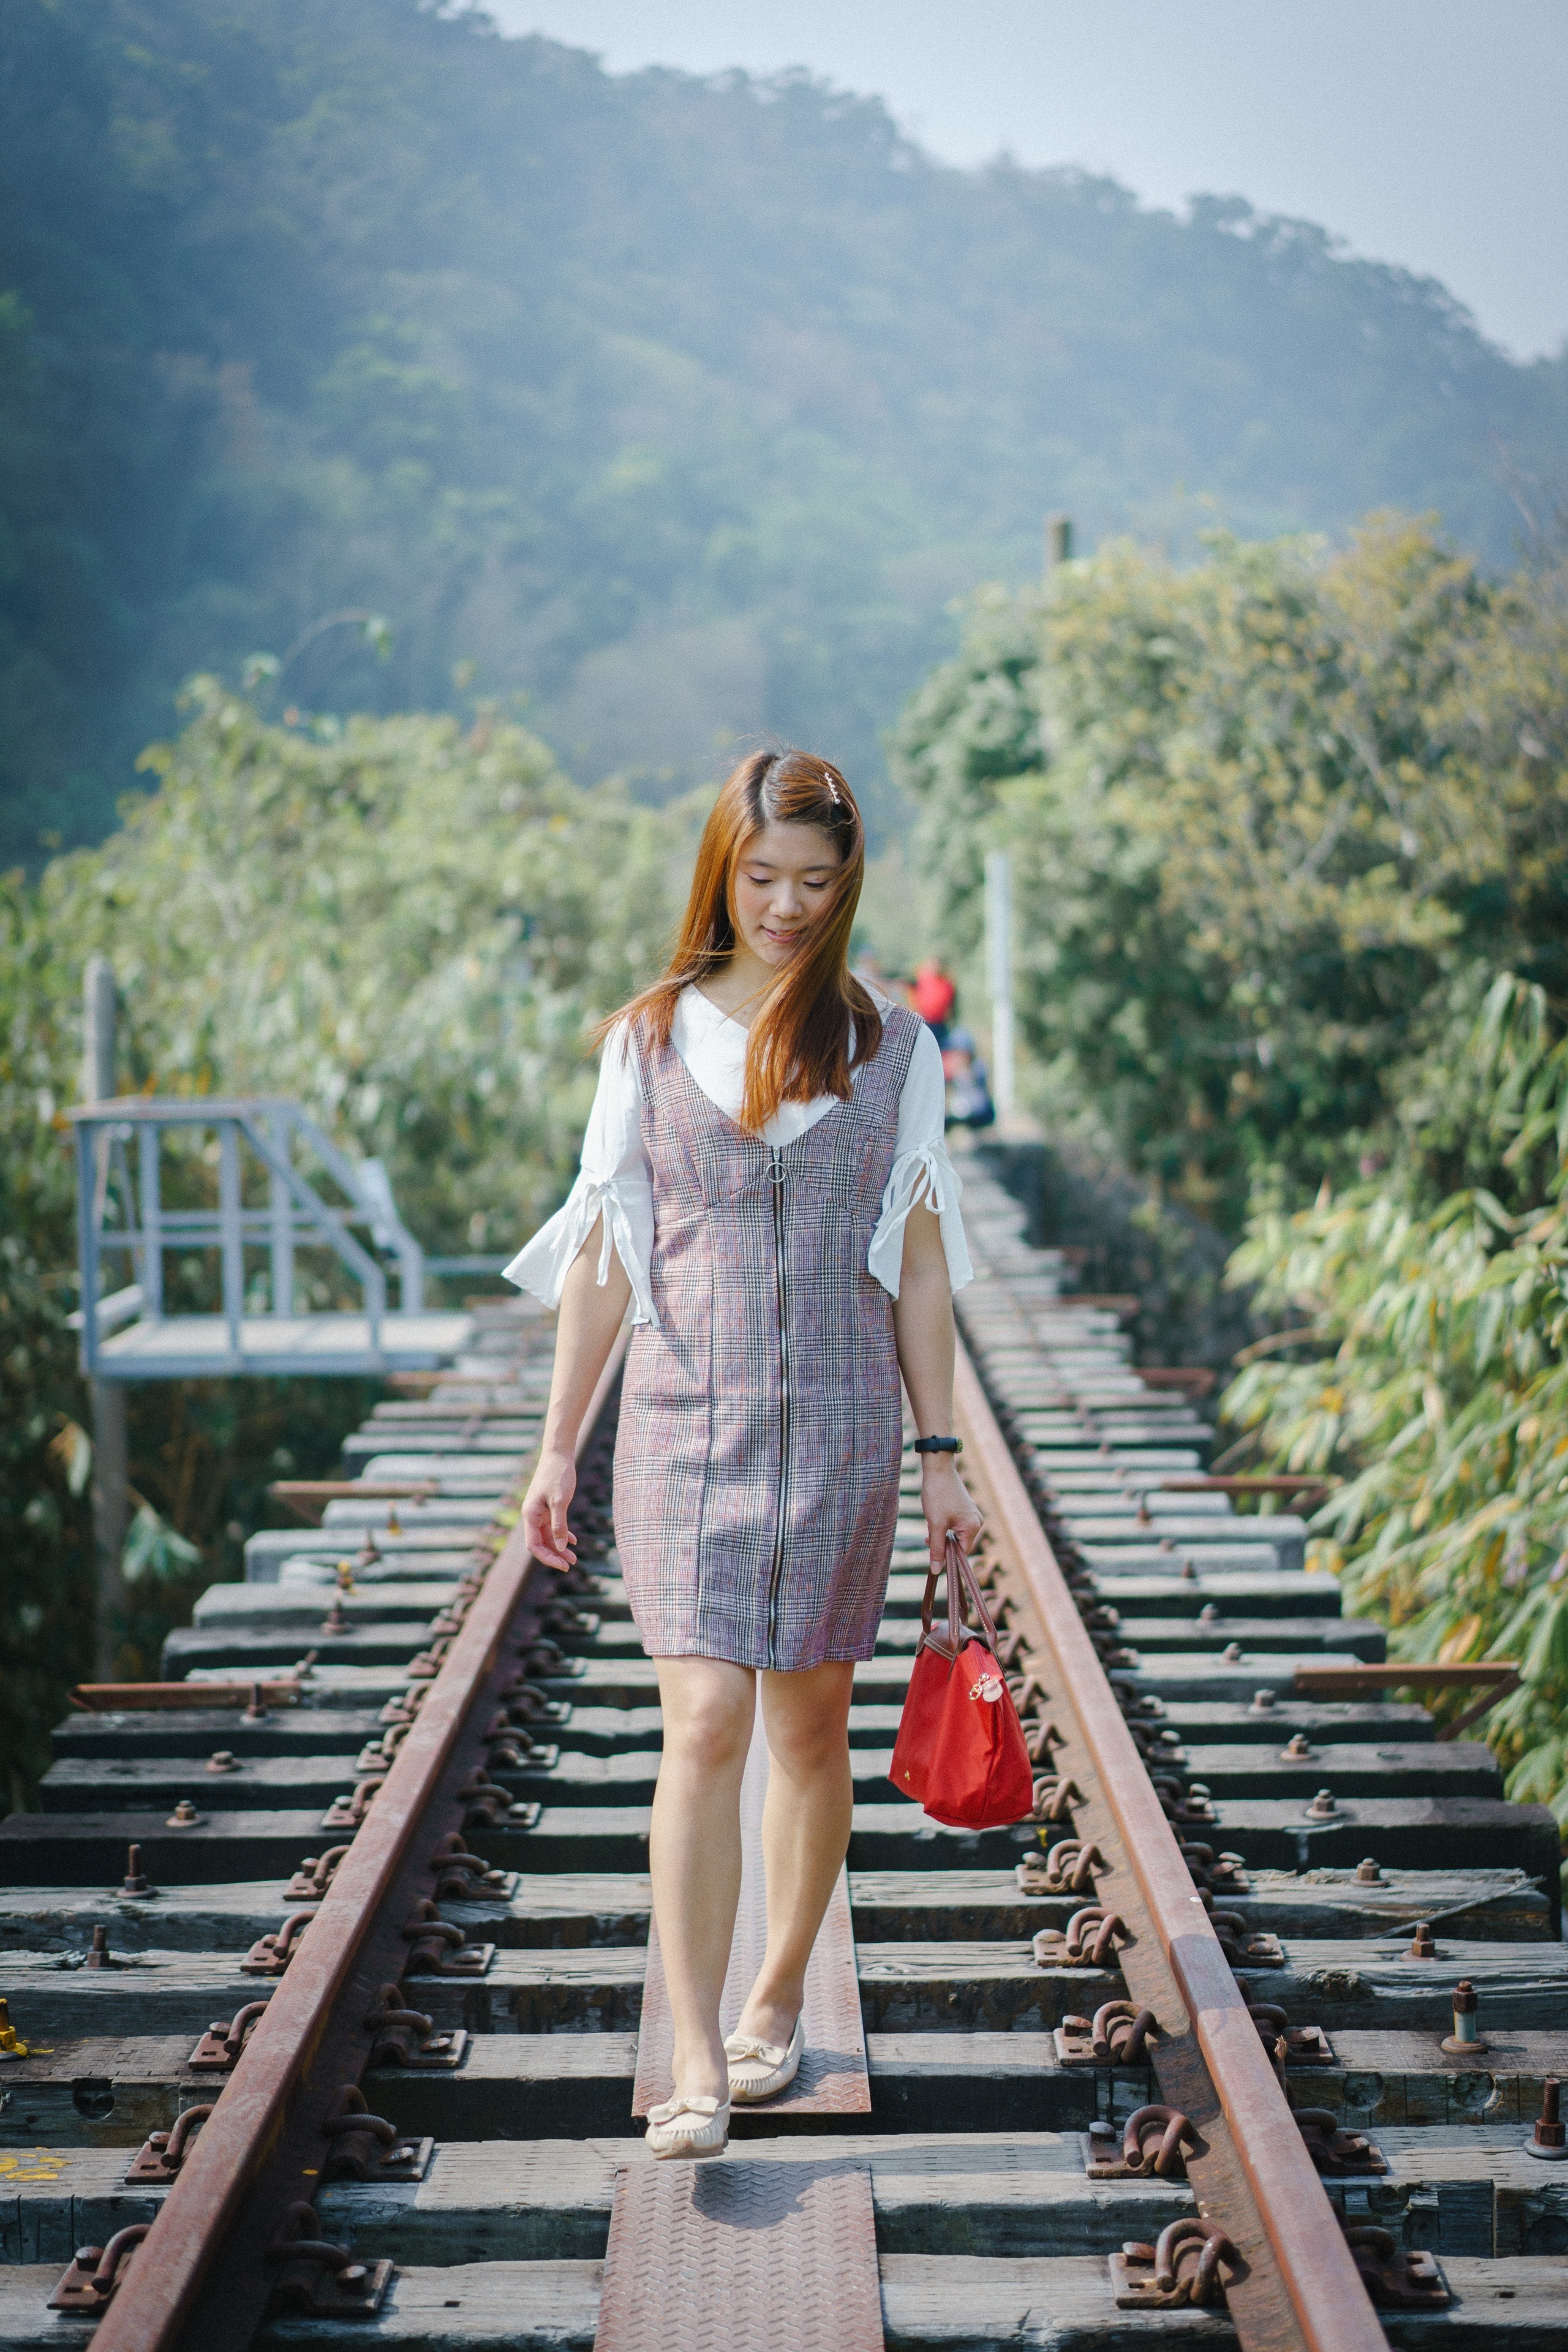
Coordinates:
111	1464
98	1038
999	965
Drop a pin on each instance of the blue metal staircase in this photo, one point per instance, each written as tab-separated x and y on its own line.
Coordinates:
266	1211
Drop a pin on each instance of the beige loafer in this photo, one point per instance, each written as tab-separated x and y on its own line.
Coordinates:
761	2069
689	2128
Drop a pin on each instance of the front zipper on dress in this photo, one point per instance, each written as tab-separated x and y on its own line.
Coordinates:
777	1177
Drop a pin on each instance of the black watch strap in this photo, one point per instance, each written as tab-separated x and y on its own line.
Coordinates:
939	1445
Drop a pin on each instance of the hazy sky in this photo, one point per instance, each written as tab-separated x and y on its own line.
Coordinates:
1429	132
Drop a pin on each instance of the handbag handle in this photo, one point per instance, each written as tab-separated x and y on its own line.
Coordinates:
959	1573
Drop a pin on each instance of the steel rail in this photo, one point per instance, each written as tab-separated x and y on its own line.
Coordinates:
1317	2272
162	2283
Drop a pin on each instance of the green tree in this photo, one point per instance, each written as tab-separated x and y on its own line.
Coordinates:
1261	808
1434	1381
411	928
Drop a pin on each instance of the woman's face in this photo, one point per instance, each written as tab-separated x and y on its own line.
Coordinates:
786	881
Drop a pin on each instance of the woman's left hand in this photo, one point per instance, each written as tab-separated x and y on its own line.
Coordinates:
948	1507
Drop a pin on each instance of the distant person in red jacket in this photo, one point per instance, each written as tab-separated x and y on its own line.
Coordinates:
933	997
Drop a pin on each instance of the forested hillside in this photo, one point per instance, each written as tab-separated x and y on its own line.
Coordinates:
681	407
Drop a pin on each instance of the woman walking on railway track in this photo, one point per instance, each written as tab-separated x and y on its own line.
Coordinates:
764	1182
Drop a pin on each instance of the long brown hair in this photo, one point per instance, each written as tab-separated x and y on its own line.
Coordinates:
799	1047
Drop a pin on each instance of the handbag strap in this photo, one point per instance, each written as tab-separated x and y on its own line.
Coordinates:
960	1576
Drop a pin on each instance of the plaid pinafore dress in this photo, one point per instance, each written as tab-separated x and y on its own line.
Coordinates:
761	1424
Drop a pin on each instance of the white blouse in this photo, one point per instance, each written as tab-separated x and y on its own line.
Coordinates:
617	1179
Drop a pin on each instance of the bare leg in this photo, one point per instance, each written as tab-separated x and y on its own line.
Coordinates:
694	1853
805	1832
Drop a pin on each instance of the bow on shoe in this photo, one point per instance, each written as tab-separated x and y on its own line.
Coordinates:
672	2109
742	2046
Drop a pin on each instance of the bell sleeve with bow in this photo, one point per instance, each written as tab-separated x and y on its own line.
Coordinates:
614	1183
921	1171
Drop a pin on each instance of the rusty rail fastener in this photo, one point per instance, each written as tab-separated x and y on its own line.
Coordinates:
1467	2040
314	1876
1152	2140
405	1705
1182	2267
221	2046
485	1804
1397	2278
1287	2044
97	2271
377	1755
347	1812
1055	1796
1119	2034
462	1876
1337	2153
1089	1941
1244	1946
429	1663
1550	2137
134	1887
1069	1866
320	2278
524	1704
271	1953
366	2146
440	1948
407	2037
1224	1874
162	2152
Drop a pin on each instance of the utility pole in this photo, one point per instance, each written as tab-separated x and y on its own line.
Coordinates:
999	966
111	1464
1058	542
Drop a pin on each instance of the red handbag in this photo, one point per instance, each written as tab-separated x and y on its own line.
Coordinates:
960	1750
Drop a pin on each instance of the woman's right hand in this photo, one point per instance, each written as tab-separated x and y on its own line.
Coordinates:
544	1508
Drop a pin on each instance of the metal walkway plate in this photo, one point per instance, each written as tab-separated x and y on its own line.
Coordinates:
723	2255
201	1346
833	2079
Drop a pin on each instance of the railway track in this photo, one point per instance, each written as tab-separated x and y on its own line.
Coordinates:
332	2001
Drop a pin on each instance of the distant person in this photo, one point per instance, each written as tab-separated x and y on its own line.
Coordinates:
933	997
765	1184
969	1102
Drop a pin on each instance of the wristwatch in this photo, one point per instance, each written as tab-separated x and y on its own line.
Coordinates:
939	1445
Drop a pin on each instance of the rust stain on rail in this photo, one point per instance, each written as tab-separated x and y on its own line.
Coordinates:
1315	2301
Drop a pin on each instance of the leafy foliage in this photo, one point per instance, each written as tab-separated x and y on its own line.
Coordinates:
407	926
46	1546
680	406
1436	1384
1264	811
1289	831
